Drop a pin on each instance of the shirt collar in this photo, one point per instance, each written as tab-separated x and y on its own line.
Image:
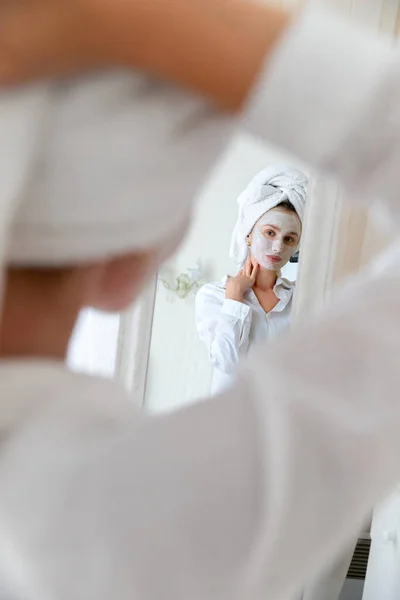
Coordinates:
283	289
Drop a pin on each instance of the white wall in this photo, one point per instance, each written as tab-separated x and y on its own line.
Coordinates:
179	370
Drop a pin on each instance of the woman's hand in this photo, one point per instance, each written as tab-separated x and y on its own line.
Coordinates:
236	287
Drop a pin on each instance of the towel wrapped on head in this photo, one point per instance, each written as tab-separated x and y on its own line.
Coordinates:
268	189
87	161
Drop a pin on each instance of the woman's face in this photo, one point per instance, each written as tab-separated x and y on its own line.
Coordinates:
275	238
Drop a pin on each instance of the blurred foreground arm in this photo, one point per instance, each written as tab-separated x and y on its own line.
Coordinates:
217	499
328	91
215	47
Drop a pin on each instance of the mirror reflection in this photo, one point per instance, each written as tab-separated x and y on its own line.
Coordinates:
233	282
255	304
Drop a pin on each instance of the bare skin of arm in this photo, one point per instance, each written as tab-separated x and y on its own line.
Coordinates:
214	47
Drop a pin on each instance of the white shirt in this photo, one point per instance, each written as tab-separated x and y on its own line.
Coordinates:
228	328
225	498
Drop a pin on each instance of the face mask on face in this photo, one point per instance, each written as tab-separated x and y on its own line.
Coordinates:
276	237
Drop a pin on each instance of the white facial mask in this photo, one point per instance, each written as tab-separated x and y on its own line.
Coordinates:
276	237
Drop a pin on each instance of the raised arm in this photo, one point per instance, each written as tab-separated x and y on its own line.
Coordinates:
214	47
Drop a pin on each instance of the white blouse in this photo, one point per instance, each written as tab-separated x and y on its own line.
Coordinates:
229	329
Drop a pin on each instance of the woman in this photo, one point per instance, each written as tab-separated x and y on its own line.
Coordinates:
254	305
100	501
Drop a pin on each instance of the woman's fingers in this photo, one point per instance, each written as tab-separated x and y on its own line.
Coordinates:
254	272
248	267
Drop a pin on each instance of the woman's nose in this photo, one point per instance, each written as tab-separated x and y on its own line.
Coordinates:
278	246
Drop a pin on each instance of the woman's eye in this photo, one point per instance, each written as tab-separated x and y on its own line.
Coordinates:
270	233
290	240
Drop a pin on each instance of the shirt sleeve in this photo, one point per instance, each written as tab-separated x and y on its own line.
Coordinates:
331	96
225	497
276	477
224	327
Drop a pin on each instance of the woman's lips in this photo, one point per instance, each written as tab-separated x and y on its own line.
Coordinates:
274	259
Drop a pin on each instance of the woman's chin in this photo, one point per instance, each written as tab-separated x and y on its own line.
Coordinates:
271	266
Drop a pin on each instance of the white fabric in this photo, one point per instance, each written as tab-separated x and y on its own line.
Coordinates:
337	108
77	456
229	329
224	499
217	500
21	117
117	161
266	190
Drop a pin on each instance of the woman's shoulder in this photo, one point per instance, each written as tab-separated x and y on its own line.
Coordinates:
213	291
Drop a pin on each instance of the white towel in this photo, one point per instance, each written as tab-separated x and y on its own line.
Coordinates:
106	165
266	190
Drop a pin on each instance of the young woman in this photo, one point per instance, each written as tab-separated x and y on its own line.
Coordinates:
256	304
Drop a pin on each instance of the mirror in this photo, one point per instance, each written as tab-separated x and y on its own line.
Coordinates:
162	360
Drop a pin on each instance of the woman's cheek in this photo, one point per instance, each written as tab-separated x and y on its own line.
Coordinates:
260	248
